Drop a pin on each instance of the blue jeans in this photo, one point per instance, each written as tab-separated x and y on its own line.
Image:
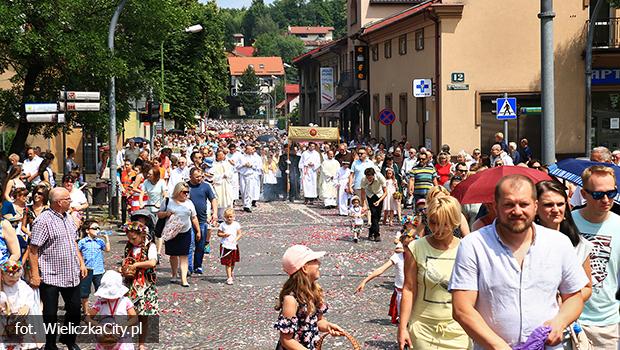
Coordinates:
197	249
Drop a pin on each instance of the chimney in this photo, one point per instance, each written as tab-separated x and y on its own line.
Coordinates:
239	40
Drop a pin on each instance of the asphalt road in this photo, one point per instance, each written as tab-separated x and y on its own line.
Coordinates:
213	315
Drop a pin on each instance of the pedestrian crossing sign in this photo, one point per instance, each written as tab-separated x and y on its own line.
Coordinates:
506	108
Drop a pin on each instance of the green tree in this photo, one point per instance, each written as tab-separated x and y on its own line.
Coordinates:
248	97
274	44
233	24
251	19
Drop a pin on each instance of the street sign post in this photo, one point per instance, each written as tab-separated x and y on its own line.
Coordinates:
41	107
46	118
506	108
422	87
80	106
79	95
387	117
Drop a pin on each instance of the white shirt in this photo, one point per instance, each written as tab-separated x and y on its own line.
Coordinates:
77	198
151	254
184	210
31	166
399	274
230	242
356	213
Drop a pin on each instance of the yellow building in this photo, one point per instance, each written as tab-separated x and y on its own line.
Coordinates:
474	51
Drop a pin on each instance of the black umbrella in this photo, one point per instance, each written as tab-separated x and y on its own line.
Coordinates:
176	131
266	138
138	139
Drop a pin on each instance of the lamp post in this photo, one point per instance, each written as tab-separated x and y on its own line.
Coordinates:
196	28
112	109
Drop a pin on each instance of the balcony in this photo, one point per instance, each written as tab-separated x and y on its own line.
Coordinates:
607	33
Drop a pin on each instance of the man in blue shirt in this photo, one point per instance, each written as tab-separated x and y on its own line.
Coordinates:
203	196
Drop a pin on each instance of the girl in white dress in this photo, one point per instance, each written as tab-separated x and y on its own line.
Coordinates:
390	204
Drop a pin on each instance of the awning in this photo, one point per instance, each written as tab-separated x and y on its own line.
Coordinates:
338	107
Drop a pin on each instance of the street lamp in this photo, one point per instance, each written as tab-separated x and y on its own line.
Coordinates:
196	28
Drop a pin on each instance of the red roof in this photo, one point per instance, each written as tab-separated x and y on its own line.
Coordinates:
245	51
261	65
309	30
397	17
292	89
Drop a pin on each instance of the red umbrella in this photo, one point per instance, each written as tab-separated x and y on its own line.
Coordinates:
226	135
480	187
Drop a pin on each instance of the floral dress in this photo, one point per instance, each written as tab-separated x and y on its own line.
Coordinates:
304	327
142	289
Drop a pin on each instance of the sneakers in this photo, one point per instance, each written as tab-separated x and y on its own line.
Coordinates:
198	271
355	239
207	250
229	281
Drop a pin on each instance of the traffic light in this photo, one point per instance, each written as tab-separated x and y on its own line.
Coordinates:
361	62
154	111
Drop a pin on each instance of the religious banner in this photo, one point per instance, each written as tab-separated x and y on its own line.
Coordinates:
313	133
327	86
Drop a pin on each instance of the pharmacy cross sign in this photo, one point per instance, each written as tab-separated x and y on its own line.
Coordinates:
387	117
422	87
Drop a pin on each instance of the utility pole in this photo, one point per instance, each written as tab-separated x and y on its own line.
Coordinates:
591	26
112	108
546	16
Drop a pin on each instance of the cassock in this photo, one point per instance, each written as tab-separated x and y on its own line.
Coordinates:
342	182
233	159
290	170
309	165
250	167
329	192
223	174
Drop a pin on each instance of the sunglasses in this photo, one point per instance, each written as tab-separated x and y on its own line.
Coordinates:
185	192
598	195
461	170
96	228
39	193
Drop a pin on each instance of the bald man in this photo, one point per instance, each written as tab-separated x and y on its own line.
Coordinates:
57	264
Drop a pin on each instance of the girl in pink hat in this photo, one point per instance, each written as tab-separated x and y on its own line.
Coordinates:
301	303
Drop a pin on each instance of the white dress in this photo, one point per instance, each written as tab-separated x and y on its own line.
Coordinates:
389	203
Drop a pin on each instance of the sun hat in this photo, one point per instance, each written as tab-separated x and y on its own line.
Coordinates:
297	256
355	198
112	286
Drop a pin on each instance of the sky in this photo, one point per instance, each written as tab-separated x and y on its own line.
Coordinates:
237	3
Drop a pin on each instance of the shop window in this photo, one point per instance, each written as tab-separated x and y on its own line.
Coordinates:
419	40
402	44
387	49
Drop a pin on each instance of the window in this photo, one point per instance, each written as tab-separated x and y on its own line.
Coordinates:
419	40
387	49
375	52
388	105
402	44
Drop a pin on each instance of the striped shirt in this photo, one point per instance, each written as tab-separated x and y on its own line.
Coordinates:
54	234
423	178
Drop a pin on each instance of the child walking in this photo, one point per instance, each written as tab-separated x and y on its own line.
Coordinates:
111	302
301	303
342	182
398	261
230	232
92	247
357	212
390	203
138	269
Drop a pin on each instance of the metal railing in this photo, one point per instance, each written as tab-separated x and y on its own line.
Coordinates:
606	33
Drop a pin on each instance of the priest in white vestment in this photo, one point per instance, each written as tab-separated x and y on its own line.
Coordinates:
223	174
233	158
329	169
309	165
250	166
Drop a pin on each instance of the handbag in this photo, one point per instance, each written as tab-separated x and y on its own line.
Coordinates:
354	343
127	270
161	223
173	227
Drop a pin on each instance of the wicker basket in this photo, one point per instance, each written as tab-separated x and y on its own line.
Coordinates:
353	341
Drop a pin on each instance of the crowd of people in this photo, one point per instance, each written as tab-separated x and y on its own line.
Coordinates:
498	275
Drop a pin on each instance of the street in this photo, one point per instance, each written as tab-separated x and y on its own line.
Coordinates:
213	315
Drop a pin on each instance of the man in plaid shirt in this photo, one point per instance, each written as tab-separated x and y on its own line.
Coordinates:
57	264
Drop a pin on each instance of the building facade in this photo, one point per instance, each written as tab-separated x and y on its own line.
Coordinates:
312	37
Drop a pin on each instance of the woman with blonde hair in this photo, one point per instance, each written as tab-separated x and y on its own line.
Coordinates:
460	231
426	307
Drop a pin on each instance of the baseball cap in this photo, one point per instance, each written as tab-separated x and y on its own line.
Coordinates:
297	256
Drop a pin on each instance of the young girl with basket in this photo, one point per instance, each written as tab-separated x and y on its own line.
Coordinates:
229	232
301	302
138	268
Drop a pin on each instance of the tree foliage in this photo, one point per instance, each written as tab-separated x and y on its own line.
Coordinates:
274	44
248	97
55	43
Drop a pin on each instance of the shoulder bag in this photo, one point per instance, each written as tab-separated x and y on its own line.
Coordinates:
161	223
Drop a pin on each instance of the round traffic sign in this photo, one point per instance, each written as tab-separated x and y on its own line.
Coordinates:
387	117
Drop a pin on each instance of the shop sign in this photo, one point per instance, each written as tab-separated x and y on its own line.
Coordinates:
605	76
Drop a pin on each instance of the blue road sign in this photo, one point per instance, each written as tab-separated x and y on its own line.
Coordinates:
387	117
506	108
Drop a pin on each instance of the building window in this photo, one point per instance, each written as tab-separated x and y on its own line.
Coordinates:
387	49
402	44
374	49
353	12
419	40
388	101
